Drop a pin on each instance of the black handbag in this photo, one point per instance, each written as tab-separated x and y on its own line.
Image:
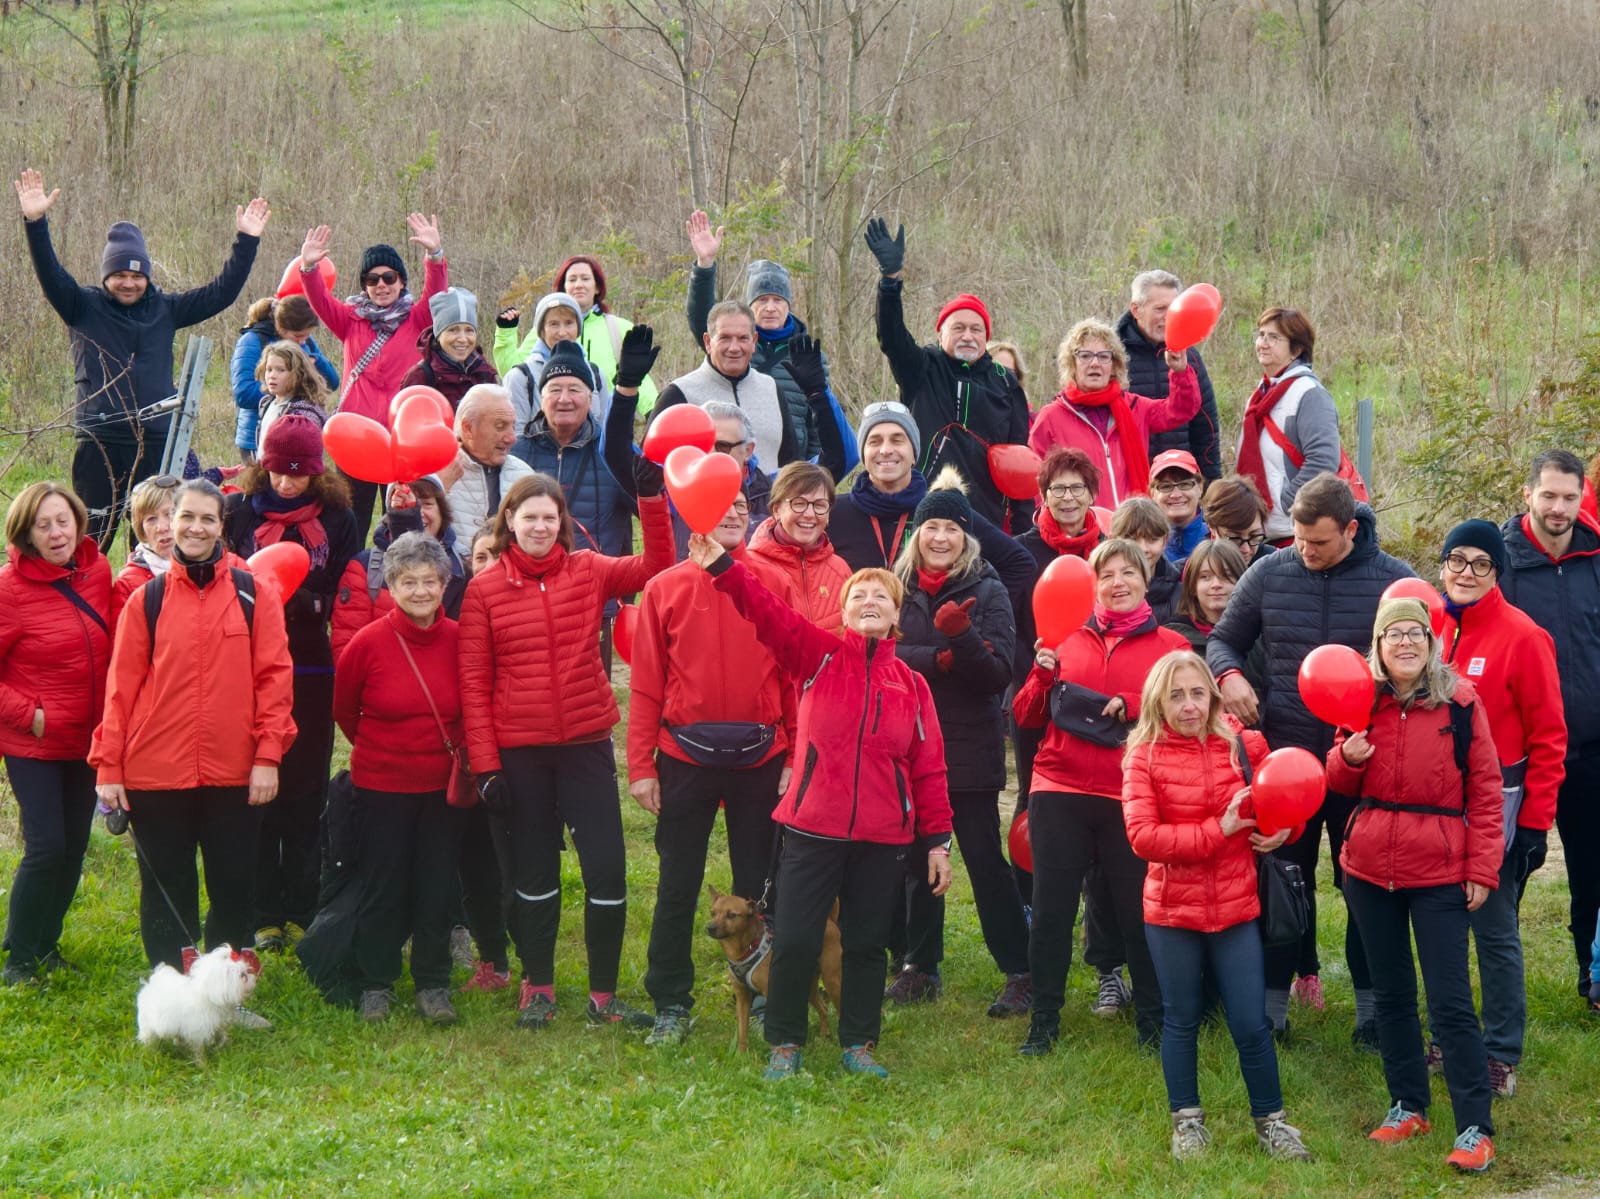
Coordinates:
1081	712
1280	886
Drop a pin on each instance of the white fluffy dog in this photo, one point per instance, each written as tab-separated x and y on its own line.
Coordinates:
194	1010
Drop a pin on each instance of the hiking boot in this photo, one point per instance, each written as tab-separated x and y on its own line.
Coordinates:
536	1009
1435	1058
617	1012
1280	1139
783	1062
375	1005
486	978
1041	1039
913	986
243	1017
293	934
1401	1124
1013	999
461	952
1307	989
1190	1136
1473	1151
434	1006
269	939
672	1027
858	1059
53	962
1114	995
17	974
1502	1078
1365	1038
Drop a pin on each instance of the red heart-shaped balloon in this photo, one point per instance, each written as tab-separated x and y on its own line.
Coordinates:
293	284
1192	317
360	447
623	629
679	425
702	486
1062	598
1015	471
284	564
1020	843
422	447
1336	684
1431	599
1288	789
439	410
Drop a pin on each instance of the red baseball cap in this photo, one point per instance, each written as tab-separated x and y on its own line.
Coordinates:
1175	460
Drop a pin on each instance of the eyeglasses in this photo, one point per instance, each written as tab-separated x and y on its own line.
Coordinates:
1093	355
1268	336
1254	541
800	507
741	508
1060	491
384	277
727	447
1460	564
1169	488
1402	636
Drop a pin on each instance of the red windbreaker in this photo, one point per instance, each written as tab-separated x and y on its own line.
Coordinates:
809	581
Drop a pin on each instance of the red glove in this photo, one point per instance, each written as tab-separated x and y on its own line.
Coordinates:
945	659
953	619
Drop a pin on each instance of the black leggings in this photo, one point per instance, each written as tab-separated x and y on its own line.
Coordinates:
289	860
573	785
407	862
484	862
55	800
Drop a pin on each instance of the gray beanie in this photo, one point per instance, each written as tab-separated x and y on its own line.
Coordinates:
888	412
453	306
556	299
763	278
124	251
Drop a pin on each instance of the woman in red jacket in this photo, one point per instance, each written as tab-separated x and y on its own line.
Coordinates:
870	785
1422	850
791	553
1091	685
539	711
197	718
150	510
55	644
1183	797
398	699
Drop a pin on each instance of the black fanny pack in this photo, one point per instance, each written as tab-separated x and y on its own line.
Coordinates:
726	744
1081	712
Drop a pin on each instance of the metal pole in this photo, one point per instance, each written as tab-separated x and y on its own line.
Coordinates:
1364	409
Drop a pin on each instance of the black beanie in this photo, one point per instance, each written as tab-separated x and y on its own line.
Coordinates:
944	503
567	359
125	251
382	255
1479	535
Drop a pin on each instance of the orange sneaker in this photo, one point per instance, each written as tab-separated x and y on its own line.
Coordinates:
1401	1124
1473	1151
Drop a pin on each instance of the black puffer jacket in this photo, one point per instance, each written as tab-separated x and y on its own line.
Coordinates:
968	695
1563	599
1294	610
1147	376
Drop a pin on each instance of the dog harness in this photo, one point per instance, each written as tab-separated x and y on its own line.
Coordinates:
745	966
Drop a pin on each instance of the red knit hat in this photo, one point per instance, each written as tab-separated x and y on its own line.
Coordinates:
293	446
965	301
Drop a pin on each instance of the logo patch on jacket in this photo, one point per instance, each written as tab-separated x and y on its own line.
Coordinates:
1475	668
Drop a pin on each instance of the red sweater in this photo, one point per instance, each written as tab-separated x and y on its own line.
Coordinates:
394	739
695	658
1511	663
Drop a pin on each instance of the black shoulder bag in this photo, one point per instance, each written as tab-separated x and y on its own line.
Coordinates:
1281	887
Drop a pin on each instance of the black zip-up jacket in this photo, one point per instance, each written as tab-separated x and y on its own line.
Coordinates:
1147	376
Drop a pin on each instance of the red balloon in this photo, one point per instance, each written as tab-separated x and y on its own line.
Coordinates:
1020	843
360	447
1192	317
702	486
292	284
1288	789
1336	684
1062	598
1417	589
421	444
438	409
284	564
681	424
1015	470
622	630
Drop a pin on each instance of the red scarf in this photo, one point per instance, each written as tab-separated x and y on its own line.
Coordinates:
307	519
930	581
1059	540
536	568
1135	456
1250	465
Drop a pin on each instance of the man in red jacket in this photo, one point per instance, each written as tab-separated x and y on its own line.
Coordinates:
1512	663
711	723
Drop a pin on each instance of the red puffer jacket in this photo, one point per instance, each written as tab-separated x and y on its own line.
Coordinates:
1071	764
531	672
809	581
53	655
1174	792
869	753
1414	763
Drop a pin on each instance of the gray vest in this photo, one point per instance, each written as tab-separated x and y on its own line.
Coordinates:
756	393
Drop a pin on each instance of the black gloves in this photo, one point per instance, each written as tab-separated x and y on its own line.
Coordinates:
639	353
494	792
648	478
805	364
889	251
1533	844
508	318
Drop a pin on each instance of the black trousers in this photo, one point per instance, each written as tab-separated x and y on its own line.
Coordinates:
573	785
1025	744
689	798
289	859
1103	946
364	497
484	861
1578	822
407	866
1070	832
169	827
976	819
104	474
1286	961
55	801
865	878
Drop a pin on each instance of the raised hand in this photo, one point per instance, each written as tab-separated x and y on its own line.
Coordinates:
425	232
35	201
639	353
315	246
702	241
889	251
508	317
805	364
253	217
703	551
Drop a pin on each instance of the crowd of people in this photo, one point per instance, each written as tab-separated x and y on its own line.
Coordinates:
838	669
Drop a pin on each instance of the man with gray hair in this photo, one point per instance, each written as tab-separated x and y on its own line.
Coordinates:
1143	330
486	429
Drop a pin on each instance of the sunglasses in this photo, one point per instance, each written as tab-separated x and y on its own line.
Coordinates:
384	277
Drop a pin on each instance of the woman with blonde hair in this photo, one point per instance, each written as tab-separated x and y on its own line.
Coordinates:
150	511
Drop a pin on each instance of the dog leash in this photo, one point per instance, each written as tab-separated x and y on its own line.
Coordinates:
126	826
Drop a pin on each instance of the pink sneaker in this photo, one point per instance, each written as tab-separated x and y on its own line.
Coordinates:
486	978
1308	991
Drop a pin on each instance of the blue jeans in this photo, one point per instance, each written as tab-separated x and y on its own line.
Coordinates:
1234	954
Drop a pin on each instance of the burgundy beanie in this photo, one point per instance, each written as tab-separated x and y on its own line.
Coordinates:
293	446
965	301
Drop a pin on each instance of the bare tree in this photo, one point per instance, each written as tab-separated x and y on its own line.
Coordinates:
1316	18
1075	18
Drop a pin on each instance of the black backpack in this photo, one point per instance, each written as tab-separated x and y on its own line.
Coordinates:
155	591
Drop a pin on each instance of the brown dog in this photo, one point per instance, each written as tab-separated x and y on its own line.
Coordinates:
737	924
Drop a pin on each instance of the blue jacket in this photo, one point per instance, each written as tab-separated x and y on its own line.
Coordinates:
1147	376
247	390
597	503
